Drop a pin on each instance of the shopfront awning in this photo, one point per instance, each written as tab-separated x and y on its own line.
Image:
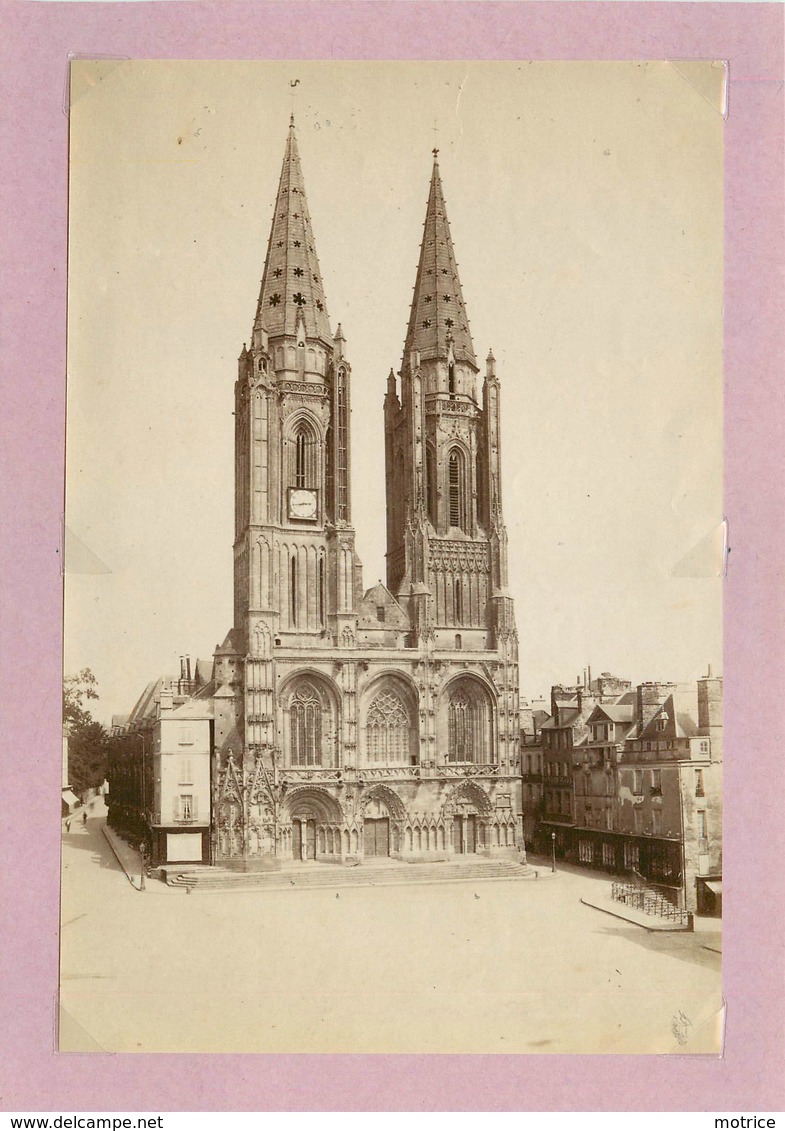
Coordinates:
714	885
70	798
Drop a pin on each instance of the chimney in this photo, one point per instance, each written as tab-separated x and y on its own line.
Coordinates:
182	667
710	710
165	699
589	670
188	668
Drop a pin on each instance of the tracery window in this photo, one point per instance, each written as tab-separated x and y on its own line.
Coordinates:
304	456
465	728
305	720
387	730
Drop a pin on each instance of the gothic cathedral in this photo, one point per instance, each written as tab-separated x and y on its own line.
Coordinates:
353	724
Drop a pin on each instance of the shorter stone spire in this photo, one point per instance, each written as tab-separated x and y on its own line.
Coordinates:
438	314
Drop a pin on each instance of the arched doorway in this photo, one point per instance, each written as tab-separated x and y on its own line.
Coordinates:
304	824
382	815
468	814
314	827
376	829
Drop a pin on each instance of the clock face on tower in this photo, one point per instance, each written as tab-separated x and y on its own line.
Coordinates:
302	504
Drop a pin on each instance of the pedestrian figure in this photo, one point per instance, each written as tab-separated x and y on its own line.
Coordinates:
68	825
84	818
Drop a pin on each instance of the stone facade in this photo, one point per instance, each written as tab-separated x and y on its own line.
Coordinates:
353	724
635	784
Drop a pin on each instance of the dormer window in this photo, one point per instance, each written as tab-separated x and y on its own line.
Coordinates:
381	613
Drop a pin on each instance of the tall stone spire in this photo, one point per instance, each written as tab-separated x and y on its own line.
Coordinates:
438	315
292	280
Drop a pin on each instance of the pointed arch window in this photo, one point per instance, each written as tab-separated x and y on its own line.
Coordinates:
456	473
293	591
305	718
299	458
387	731
464	731
468	726
430	483
304	458
458	595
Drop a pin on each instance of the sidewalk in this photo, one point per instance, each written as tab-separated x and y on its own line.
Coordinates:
633	915
128	858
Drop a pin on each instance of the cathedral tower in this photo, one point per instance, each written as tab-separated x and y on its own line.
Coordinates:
296	573
446	540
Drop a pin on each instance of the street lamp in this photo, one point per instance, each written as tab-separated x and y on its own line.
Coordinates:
143	853
553	851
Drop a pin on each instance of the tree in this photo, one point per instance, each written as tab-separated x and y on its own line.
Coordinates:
76	689
89	741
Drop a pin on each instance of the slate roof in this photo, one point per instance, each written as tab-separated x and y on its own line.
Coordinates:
615	712
194	709
681	711
568	717
379	596
146	706
203	671
292	280
438	309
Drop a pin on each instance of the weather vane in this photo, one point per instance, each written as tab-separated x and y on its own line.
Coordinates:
293	83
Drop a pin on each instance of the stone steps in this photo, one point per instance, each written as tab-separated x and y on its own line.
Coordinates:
330	875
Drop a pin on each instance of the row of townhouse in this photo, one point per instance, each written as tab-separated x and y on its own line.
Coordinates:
629	780
160	767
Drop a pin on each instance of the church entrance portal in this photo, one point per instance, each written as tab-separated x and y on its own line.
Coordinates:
465	833
376	829
376	837
303	838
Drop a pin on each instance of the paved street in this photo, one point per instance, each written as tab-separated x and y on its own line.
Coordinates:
507	966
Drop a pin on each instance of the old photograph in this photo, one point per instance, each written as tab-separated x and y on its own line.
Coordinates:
394	553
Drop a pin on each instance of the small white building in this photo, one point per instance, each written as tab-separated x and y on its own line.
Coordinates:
180	812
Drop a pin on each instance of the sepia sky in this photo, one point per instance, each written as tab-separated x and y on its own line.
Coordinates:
585	202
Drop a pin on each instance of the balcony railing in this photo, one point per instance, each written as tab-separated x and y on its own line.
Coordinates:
384	773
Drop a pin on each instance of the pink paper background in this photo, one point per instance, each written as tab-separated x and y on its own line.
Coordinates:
33	151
